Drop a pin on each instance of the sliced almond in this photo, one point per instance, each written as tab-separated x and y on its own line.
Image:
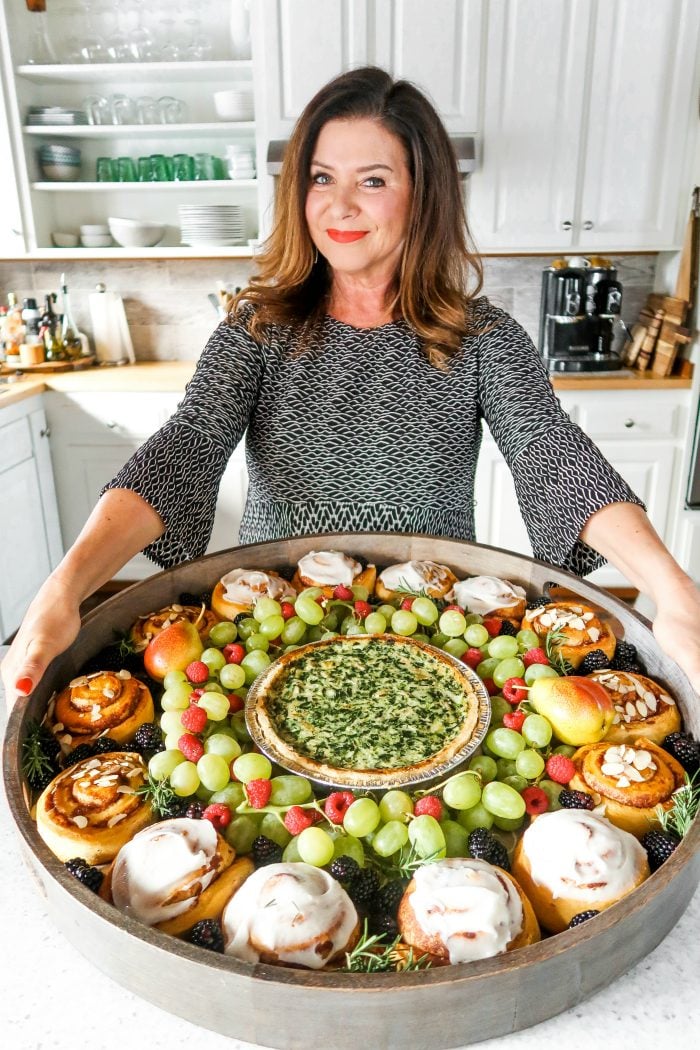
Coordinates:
613	769
115	819
82	680
642	709
630	709
643	760
109	693
80	821
623	782
588	616
593	634
652	703
578	624
124	675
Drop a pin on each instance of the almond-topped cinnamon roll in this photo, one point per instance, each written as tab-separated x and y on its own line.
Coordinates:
578	624
329	569
148	626
92	808
569	861
643	708
111	703
175	873
460	909
490	596
628	781
422	577
292	914
239	590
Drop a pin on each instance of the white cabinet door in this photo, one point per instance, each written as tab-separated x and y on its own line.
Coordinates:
11	235
497	514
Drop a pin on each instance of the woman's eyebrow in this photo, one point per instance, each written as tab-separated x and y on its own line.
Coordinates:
364	168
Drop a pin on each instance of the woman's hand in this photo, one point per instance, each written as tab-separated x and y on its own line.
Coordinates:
51	624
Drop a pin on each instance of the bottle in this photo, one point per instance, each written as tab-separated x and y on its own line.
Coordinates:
14	331
50	330
3	317
70	335
31	351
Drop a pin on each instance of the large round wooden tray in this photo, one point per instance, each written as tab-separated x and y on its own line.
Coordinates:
299	1010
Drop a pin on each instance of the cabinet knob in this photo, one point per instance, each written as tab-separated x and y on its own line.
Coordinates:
588	225
566	225
628	423
111	425
45	431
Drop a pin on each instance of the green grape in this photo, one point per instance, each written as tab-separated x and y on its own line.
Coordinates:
516	781
266	607
486	668
438	639
314	634
271	626
291	648
476	817
308	609
184	779
537	731
404	622
527	640
420	636
535	671
505	743
506	768
223	633
476	635
473	618
224	745
330	634
252	766
347	623
293	630
426	836
242	831
257	642
529	764
565	749
246	627
315	846
163	763
272	828
508	823
360	593
177	698
289	790
349	846
395	805
462	792
232	676
311	592
503	647
485	766
174	678
551	790
452	623
355	629
455	838
171	741
171	723
375	623
203	794
213	772
387	611
425	611
238	725
389	838
215	704
331	621
502	800
253	664
213	686
499	706
510	668
456	647
232	795
291	853
361	817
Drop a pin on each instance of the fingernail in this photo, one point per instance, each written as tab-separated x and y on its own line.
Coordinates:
24	685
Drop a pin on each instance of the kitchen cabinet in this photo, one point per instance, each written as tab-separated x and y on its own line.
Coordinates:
11	237
30	540
585	141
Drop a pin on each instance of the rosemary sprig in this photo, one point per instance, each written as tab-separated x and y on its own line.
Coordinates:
686	803
372	954
159	794
403	863
552	645
37	763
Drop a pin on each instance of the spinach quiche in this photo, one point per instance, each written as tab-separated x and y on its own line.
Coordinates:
368	711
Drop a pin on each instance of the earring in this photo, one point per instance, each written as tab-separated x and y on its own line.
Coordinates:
315	256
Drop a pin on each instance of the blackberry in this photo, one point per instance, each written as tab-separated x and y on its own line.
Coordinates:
575	799
484	846
659	846
78	754
594	661
104	744
344	869
188	598
685	750
626	659
149	738
362	888
207	934
195	810
388	897
508	628
385	925
85	873
266	851
582	916
538	601
108	659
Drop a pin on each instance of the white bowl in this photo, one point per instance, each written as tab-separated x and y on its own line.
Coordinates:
61	172
233	105
95	241
132	233
95	230
65	240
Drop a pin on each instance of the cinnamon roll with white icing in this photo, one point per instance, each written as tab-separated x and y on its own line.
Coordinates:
330	569
490	596
239	590
422	577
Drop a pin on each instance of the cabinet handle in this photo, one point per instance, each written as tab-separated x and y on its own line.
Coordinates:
628	423
588	225
111	425
45	432
566	225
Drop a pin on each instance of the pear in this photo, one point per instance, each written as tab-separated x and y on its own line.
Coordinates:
579	709
173	649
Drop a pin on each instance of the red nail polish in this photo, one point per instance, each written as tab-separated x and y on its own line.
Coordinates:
24	685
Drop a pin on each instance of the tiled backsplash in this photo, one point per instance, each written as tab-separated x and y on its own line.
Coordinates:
170	316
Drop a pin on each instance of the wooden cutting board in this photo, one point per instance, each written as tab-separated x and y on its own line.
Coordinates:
51	366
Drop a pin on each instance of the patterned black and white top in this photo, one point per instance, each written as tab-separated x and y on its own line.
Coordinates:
360	432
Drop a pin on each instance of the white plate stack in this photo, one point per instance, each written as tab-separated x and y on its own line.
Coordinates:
211	225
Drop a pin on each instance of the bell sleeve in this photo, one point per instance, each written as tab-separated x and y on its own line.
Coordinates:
179	468
561	478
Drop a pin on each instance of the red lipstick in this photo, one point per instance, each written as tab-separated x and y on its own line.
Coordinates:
346	236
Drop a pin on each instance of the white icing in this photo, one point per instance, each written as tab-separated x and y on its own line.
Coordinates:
162	859
245	586
293	910
414	576
483	594
474	909
575	854
329	568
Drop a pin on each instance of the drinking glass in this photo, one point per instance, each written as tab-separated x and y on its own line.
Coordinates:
126	170
144	169
169	50
141	44
198	48
97	109
170	168
159	171
41	51
123	109
203	167
106	169
147	110
184	167
172	110
93	49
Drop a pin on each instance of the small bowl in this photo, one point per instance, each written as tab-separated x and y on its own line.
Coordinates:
132	233
65	240
60	172
96	241
94	230
233	105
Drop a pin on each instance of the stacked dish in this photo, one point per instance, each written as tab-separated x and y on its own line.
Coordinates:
234	103
51	115
60	163
214	225
239	161
95	235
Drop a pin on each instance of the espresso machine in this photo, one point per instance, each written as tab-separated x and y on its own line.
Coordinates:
580	306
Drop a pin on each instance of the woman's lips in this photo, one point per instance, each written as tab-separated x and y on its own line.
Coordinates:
346	236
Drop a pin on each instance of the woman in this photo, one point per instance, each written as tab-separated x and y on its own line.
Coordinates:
362	364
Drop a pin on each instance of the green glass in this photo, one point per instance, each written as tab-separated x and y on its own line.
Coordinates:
144	169
203	167
126	170
159	172
219	169
169	167
184	167
105	169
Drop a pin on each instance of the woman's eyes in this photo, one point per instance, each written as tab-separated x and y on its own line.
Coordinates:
322	178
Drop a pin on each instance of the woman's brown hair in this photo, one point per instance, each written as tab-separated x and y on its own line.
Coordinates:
432	291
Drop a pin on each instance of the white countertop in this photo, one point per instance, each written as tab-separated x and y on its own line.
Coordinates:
54	999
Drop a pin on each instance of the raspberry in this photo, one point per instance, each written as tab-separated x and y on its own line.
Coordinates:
514	720
454	606
265	851
235	703
576	800
560	769
297	820
362	609
473	658
191	747
197	672
407	603
207	934
491	687
234	653
514	690
342	593
429	804
535	656
493	625
583	916
194	719
195	695
337	804
287	610
536	800
258	792
219	814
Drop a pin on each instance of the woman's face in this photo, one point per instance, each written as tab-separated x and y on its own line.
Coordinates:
359	198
